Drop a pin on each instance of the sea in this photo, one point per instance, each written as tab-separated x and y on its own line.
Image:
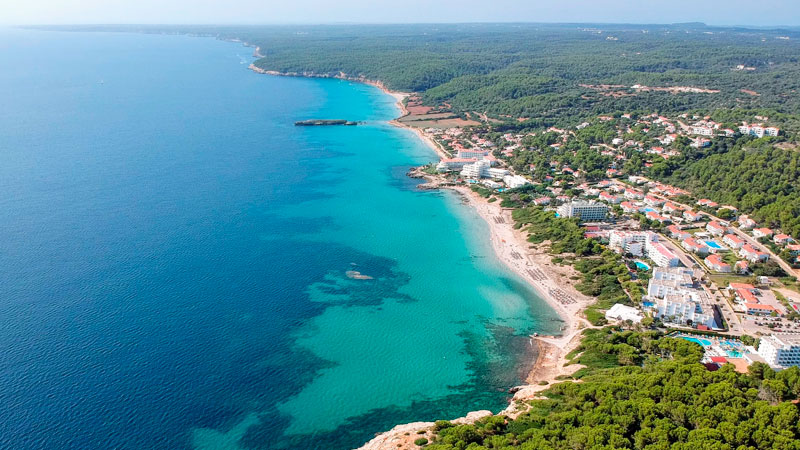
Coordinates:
183	268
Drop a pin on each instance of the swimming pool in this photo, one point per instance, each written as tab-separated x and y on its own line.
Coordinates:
713	244
703	342
649	210
642	265
648	304
733	349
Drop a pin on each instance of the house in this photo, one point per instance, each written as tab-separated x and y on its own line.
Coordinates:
749	253
632	194
629	207
670	207
541	201
716	228
758	233
692	216
692	245
758	130
757	309
794	249
707	203
676	233
744	296
715	263
652	215
746	223
744	286
613	199
782	239
653	201
742	266
703	131
733	241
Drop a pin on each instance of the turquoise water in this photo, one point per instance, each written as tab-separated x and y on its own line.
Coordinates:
703	342
642	265
712	244
177	258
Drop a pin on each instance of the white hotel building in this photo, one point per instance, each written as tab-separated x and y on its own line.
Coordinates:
586	211
676	300
661	255
780	350
631	241
640	243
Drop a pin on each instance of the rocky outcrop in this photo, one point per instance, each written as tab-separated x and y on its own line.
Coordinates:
402	437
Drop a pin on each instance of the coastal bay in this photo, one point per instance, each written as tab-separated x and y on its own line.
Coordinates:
207	250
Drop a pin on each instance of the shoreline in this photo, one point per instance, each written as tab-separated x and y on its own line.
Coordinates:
530	263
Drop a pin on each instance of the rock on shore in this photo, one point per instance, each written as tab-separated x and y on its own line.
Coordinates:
402	437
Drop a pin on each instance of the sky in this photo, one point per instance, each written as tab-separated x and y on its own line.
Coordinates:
713	12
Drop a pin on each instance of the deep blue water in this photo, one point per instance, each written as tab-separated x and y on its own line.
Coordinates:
174	257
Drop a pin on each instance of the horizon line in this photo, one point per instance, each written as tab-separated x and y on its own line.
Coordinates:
378	23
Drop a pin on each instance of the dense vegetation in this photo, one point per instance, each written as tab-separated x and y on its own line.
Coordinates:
537	70
641	390
751	174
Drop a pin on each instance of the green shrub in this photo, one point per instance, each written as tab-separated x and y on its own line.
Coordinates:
421	441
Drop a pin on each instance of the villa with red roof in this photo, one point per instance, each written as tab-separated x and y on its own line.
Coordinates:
671	207
613	199
749	253
742	266
745	286
676	233
652	215
757	309
692	245
692	216
631	194
745	222
762	232
653	201
715	263
782	239
733	241
629	207
716	228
